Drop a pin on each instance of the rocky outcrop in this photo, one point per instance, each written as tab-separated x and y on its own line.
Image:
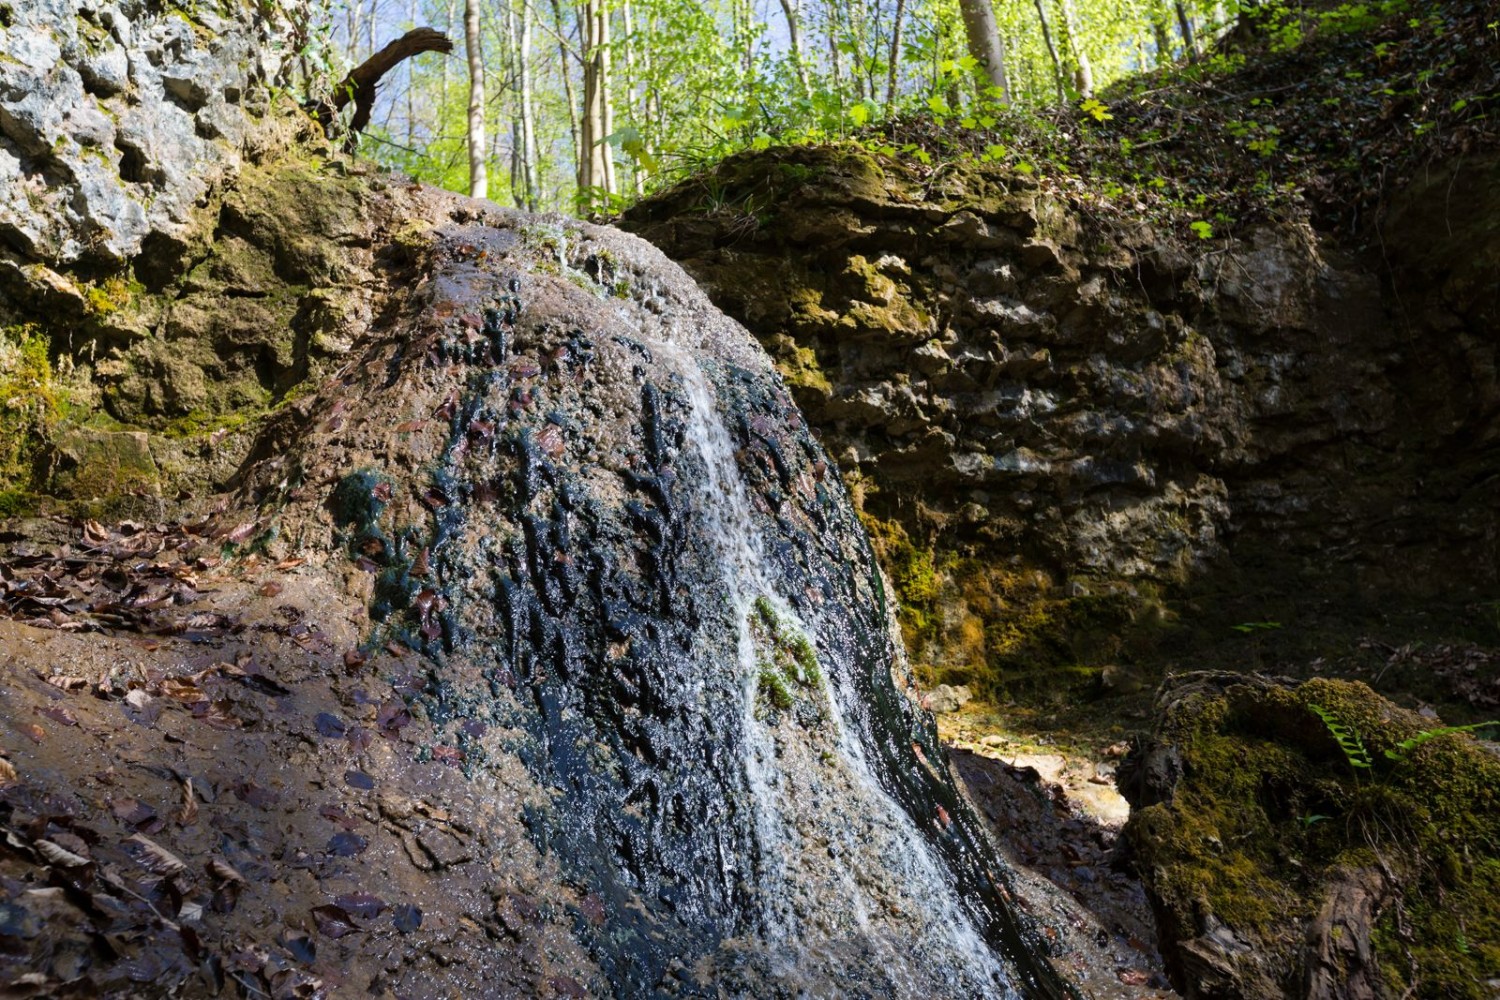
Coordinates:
119	120
1051	421
490	622
1314	841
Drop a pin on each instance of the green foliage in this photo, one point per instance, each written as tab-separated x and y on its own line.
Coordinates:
1402	751
1347	736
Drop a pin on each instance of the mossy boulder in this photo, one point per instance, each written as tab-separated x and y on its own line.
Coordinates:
109	471
1315	840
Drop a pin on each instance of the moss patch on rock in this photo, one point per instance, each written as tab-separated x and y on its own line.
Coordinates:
1278	856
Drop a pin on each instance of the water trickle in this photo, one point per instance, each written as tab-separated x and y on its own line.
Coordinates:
946	936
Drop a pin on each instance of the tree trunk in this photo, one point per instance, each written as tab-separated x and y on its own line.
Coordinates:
575	126
1189	38
895	57
530	160
1057	70
794	40
1163	40
597	171
478	181
637	179
985	46
1083	70
359	86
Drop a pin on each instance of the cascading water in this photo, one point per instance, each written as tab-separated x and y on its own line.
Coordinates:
684	631
947	935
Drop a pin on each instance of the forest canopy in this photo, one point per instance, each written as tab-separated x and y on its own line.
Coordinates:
586	105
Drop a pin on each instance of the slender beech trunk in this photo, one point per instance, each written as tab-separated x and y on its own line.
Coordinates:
1057	70
411	84
598	172
835	57
637	179
478	181
575	127
985	46
1083	69
856	13
1163	39
1189	38
895	57
529	158
794	40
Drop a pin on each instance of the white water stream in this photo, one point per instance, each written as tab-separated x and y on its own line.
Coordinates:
935	938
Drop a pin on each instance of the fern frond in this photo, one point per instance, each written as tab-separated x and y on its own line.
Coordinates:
1346	736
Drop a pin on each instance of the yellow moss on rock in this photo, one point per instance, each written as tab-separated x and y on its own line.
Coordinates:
1270	814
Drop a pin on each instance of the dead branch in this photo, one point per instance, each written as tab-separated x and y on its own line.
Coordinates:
359	86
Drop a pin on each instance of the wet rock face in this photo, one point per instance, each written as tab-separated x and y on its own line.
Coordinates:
118	119
585	496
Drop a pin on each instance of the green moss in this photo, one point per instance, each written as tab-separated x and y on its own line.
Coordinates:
1242	836
31	402
17	503
110	295
786	657
774	689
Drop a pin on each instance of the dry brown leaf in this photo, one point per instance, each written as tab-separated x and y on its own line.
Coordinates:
223	871
157	858
187	815
67	682
7	772
55	854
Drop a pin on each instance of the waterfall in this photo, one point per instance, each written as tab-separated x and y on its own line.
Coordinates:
946	938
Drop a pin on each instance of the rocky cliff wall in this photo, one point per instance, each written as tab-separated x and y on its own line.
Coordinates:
1053	422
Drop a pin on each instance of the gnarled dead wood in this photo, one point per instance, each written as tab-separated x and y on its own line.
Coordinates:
359	86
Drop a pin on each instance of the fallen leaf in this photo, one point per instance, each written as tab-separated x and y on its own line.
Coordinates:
406	918
346	845
187	813
361	904
156	858
55	854
59	714
329	725
223	871
333	921
67	683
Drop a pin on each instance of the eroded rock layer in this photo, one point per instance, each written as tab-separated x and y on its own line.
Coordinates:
1051	420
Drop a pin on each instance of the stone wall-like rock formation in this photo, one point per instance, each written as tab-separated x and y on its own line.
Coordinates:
1051	423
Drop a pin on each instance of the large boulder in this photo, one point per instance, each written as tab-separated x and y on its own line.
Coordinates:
537	650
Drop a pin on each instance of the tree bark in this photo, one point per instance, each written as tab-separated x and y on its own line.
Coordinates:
1189	38
595	156
794	42
985	46
478	181
529	153
575	126
359	86
1083	69
1057	70
895	57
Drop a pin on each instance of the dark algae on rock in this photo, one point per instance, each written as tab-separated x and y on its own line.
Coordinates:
603	522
